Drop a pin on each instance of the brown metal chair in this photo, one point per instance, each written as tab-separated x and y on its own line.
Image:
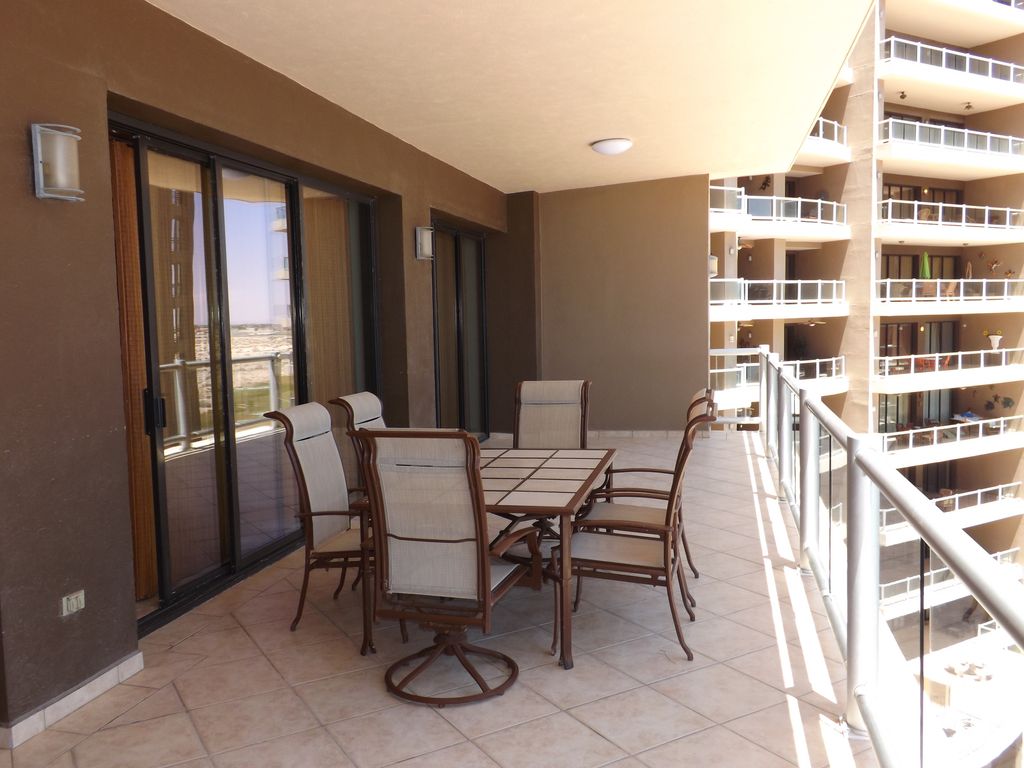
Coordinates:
363	410
433	561
551	414
636	544
331	541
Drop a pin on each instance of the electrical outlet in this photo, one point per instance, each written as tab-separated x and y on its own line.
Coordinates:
72	603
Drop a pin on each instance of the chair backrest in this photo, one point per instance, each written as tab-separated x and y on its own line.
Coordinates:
551	414
429	517
318	469
363	410
706	416
700	397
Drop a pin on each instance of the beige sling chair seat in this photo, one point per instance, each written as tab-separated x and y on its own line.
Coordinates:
433	561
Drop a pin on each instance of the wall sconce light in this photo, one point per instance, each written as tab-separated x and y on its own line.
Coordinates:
55	160
712	266
424	243
732	251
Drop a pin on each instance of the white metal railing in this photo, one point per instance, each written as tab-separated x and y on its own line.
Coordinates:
820	368
986	289
883	698
725	199
829	130
948	214
949	433
1011	3
948	137
897	365
738	290
901	589
734	377
947	58
803	209
891	517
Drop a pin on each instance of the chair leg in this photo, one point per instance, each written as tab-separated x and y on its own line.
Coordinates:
688	602
341	582
359	578
686	549
557	584
675	614
579	593
367	646
404	630
302	597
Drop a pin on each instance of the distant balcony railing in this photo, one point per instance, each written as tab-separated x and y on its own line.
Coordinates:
802	209
820	368
949	433
730	290
947	58
902	589
989	289
948	214
829	130
1011	3
891	517
948	361
947	137
726	199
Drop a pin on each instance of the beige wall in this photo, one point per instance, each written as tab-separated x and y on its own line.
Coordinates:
624	298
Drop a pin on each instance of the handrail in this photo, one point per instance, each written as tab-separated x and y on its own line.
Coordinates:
820	368
774	208
947	58
931	362
974	289
948	214
948	137
955	502
730	199
829	130
929	436
778	292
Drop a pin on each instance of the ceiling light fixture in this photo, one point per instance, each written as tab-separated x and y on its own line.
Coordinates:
611	146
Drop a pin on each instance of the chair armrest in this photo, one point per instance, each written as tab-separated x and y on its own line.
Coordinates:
638	470
360	505
623	525
530	534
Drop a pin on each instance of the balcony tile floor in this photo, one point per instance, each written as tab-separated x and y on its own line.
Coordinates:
229	686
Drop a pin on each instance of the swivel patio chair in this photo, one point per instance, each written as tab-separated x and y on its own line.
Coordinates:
638	547
331	541
433	561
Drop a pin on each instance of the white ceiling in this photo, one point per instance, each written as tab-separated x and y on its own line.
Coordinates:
512	93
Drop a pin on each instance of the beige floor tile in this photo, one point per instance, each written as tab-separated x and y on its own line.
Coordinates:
719	692
217	647
600	629
789	673
396	734
64	761
162	703
164	741
103	709
529	647
231	680
606	594
655	615
447	673
348	695
267	578
639	719
42	750
5	758
556	741
389	644
797	732
308	749
518	704
589	679
275	635
465	755
227	601
277	606
311	662
722	565
721	638
713	748
242	722
722	598
203	762
761	617
652	658
184	627
163	667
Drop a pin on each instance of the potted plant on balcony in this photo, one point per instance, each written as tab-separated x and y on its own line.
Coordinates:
925	274
994	337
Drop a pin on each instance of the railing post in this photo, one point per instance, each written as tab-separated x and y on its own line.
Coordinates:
181	409
785	427
809	481
275	386
762	388
772	411
861	583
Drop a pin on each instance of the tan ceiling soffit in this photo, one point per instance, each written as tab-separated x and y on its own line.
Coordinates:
513	93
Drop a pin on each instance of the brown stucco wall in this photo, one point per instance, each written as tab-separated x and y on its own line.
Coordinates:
624	297
64	503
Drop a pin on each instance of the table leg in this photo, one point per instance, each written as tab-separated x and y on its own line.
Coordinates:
565	536
367	647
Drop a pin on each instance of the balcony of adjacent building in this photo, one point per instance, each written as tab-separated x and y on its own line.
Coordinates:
824	146
947	79
968	435
955	224
734	374
735	299
942	151
964	509
947	370
915	297
760	217
966	23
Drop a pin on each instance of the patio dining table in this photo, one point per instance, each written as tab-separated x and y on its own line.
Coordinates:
535	484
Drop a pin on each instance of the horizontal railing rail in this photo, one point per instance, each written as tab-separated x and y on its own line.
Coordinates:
973	289
898	365
950	59
795	209
948	137
891	517
901	589
949	214
725	199
738	290
829	130
949	433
